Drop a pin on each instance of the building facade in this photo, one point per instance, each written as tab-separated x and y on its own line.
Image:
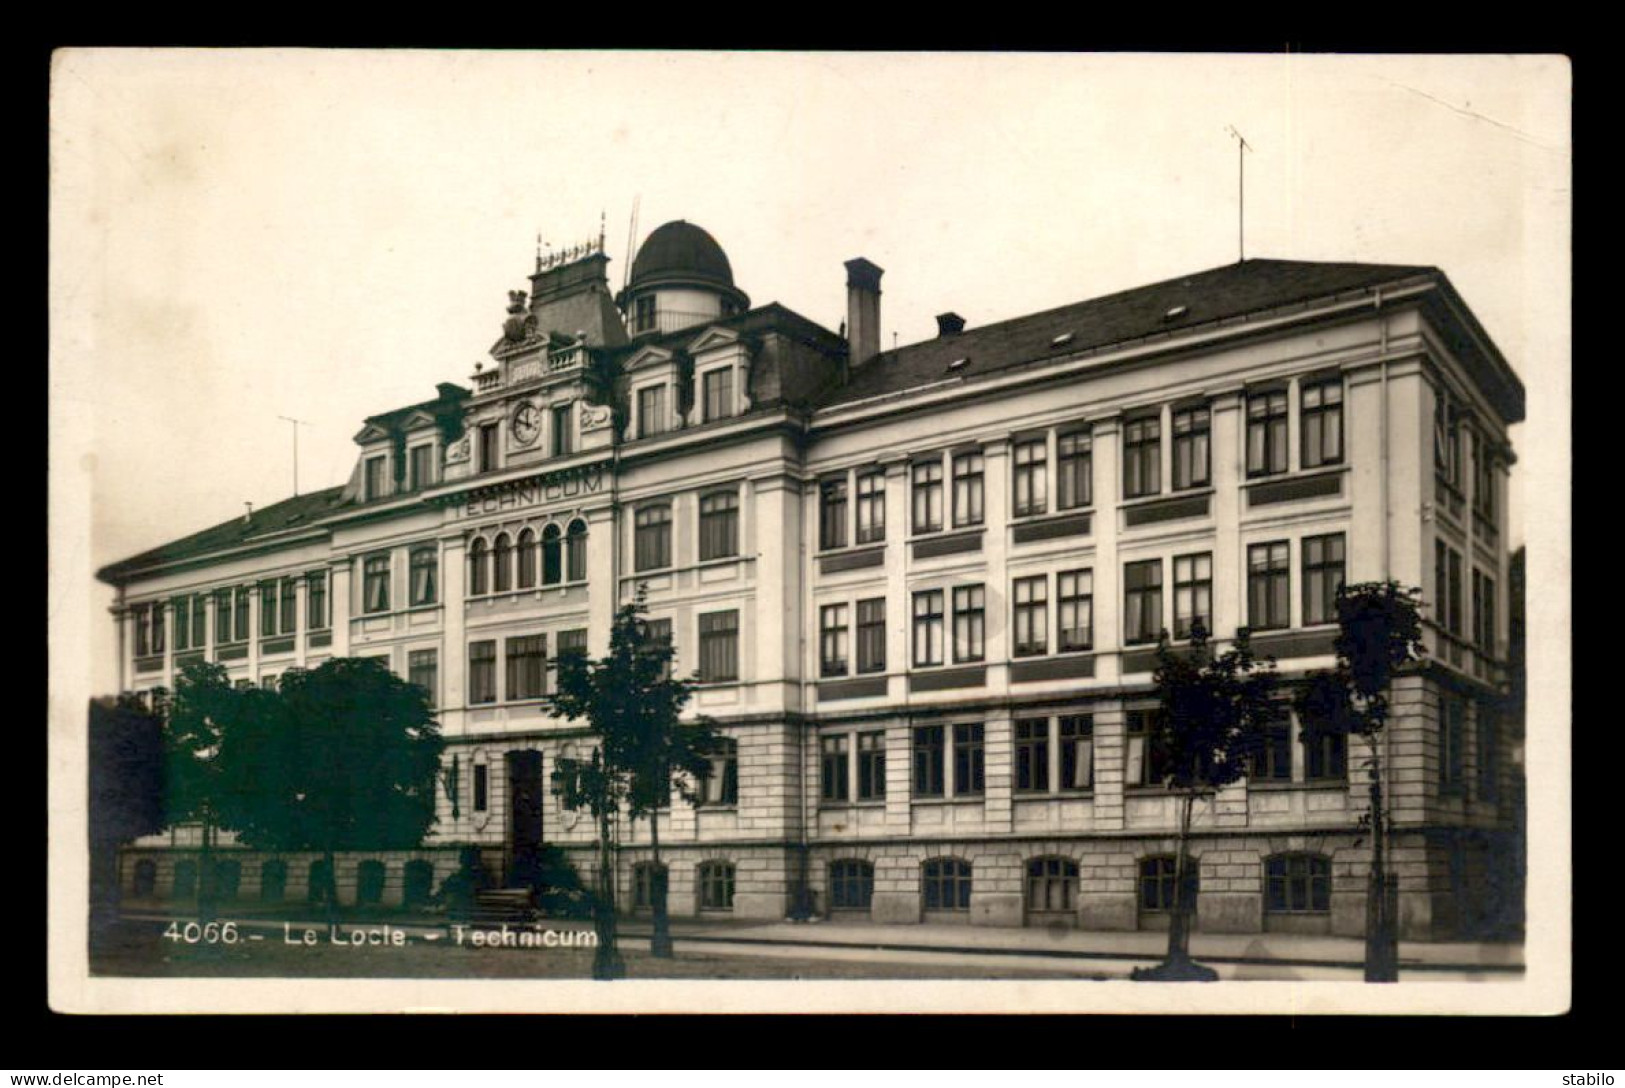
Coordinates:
920	589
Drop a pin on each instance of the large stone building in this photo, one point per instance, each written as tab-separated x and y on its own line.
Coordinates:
920	588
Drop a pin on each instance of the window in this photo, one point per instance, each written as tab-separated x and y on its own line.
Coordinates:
643	314
419	467
947	884
479	570
968	490
1483	478
501	564
1077	734
719	393
871	507
721	783
288	595
1321	419
526	551
1142	457
527	667
1484	612
1074	470
273	881
1051	885
425	574
1191	448
832	513
872	635
969	759
1142	601
182	608
373	478
1029	461
1075	590
1193	594
1447	587
1326	756
423	669
928	627
651	411
716	880
375	583
1157	877
719	646
222	616
871	766
833	776
1297	884
488	447
832	640
141	616
575	641
1447	441
927	496
575	547
1266	433
1145	759
1272	760
369	883
928	753
651	542
1030	597
970	623
482	787
1268	585
563	416
316	617
1032	755
552	556
482	672
1489	763
1452	743
851	884
191	621
719	525
268	609
643	884
1323	575
657	632
239	608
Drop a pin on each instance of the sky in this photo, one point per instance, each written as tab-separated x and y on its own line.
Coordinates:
242	236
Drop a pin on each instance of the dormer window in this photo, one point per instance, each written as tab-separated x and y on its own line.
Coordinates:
719	393
643	314
420	467
651	411
373	478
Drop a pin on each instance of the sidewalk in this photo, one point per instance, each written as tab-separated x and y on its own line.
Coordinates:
1104	952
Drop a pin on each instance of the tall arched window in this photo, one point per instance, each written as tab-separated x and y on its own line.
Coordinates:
369	883
552	571
273	881
317	883
146	878
577	548
228	879
501	566
527	559
417	883
478	571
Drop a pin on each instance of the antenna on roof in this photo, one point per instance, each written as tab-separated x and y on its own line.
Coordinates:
297	423
631	238
1242	147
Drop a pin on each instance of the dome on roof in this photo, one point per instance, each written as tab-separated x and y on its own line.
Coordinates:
680	251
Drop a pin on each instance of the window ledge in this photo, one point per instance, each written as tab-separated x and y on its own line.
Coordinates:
958	799
1052	795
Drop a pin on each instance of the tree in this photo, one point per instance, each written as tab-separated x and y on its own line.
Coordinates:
634	703
1379	633
197	788
125	755
343	757
1209	723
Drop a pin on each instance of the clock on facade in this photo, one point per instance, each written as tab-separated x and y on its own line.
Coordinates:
527	424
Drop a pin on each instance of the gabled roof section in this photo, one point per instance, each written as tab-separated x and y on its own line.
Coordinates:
1187	302
286	516
451	398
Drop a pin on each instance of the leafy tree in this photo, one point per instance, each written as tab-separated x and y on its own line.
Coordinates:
1379	633
125	756
197	787
634	703
343	757
1210	721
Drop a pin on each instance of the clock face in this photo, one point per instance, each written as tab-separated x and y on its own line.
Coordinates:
527	424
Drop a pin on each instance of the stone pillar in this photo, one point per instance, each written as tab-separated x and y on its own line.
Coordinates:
453	641
1108	603
779	620
998	774
339	604
897	560
1229	568
996	509
1110	765
603	585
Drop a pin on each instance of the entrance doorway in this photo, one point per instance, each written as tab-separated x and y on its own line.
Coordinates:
525	799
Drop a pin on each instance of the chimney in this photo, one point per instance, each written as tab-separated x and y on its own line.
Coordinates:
950	324
862	311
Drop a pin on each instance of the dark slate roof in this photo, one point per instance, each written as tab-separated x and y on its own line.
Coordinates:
773	317
451	396
279	517
1246	287
680	250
